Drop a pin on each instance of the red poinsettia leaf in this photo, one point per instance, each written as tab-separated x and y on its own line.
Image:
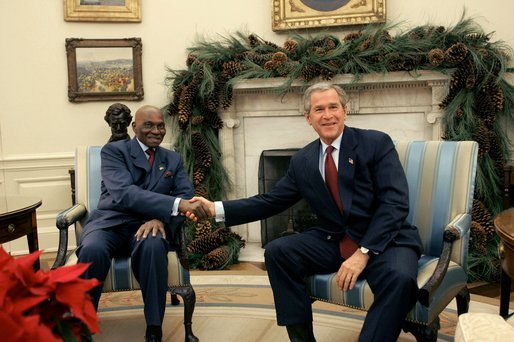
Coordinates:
10	327
74	295
68	273
4	257
25	303
36	330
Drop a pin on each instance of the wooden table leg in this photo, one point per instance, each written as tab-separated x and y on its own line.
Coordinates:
32	240
504	294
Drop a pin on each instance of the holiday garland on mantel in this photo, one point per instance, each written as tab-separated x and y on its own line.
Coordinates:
478	98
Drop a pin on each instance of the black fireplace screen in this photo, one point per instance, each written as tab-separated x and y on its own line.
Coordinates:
273	165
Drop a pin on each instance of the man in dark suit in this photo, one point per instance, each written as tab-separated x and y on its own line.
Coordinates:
361	202
144	188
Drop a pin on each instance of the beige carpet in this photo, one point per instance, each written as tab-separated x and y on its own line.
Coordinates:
239	307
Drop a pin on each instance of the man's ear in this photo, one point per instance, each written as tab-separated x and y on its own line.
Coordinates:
307	117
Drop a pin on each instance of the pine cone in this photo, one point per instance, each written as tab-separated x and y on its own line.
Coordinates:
458	81
217	258
226	99
481	136
258	58
207	243
279	57
352	36
202	228
202	191
190	59
197	120
364	45
203	159
231	69
253	40
185	104
436	57
456	53
290	46
496	153
488	101
269	65
482	216
213	120
309	71
478	237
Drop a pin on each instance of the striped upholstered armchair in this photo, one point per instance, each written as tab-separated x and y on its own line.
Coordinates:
120	277
441	178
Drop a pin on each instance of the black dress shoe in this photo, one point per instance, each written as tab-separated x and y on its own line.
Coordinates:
301	333
153	338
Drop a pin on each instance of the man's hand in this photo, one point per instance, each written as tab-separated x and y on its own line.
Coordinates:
350	270
197	208
153	226
203	207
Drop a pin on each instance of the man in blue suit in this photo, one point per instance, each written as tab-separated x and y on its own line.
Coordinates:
144	188
361	212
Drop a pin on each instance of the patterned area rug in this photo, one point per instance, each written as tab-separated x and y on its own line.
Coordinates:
233	307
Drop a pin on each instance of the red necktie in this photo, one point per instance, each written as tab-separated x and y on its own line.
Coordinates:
346	246
151	153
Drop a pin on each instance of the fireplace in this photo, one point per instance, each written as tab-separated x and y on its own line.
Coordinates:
404	105
273	165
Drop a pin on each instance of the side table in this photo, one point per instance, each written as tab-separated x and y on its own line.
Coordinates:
18	218
504	225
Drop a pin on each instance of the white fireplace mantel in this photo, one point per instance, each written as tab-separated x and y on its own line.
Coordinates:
404	105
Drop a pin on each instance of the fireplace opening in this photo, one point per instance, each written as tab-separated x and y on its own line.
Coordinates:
273	165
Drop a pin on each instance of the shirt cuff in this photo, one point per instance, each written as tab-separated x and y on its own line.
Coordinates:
220	211
174	210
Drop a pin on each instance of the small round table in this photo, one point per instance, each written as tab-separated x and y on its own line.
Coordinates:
504	225
18	218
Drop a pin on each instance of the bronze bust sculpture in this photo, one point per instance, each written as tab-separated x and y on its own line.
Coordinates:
118	117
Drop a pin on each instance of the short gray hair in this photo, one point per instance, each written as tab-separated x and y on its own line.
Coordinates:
323	86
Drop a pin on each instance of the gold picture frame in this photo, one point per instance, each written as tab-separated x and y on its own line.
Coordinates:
98	10
301	14
104	69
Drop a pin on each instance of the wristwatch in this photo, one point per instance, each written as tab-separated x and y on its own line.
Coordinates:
364	250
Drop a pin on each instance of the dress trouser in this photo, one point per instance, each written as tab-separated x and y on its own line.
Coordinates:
391	276
149	264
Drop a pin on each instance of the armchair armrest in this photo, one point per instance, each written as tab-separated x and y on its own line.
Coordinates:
457	228
63	220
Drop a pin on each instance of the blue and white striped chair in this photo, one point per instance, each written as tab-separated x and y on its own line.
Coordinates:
441	178
120	277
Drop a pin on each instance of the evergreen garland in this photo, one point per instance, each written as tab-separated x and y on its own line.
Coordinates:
478	99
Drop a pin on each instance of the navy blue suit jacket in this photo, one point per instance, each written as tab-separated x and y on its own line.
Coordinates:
372	186
132	193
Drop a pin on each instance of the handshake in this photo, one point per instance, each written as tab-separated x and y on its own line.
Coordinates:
197	208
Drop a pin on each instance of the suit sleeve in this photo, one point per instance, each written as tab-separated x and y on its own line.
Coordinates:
283	195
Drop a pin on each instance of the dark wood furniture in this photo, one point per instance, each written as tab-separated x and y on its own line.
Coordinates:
18	218
508	186
504	225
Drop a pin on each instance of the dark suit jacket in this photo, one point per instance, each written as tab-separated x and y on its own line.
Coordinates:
372	186
132	193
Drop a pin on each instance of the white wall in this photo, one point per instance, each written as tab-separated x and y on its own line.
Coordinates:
39	128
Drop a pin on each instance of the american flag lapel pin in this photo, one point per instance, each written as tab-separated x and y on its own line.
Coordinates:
350	160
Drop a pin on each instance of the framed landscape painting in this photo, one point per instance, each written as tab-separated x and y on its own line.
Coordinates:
102	10
104	69
301	14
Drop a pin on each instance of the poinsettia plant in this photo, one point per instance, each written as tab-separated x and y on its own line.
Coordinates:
44	305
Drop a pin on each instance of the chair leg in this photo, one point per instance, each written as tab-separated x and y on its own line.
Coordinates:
463	299
174	300
189	298
423	333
